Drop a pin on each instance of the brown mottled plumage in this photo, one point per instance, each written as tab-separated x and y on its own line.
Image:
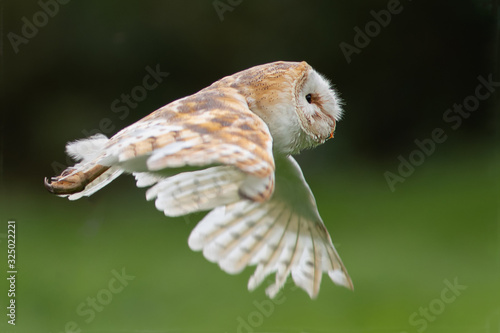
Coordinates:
227	149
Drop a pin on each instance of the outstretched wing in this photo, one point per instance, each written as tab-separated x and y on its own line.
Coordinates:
284	235
211	127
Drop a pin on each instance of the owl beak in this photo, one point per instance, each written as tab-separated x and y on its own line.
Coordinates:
333	128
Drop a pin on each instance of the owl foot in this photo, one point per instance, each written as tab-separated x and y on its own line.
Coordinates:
73	181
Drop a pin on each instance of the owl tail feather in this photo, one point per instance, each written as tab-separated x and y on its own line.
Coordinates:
88	176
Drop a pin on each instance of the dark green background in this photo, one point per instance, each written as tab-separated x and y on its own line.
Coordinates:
440	224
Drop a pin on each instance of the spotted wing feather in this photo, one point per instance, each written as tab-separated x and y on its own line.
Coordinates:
201	190
212	127
216	124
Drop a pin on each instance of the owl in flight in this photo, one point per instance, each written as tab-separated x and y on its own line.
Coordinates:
227	149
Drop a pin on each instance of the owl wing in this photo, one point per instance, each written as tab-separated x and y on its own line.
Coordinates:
212	127
284	235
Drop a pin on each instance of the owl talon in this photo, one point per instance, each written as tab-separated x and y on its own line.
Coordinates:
47	184
66	185
71	181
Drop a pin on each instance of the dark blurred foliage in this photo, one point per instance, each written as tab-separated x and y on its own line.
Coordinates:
61	84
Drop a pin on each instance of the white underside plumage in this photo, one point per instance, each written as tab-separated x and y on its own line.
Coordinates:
274	235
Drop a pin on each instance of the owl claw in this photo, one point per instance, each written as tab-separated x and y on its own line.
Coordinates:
66	185
47	185
72	181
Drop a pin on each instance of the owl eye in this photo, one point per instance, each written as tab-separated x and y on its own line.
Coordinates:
309	98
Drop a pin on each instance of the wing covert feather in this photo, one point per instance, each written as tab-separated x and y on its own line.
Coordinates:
209	127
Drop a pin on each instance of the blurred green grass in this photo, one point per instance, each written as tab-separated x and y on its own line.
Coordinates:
440	224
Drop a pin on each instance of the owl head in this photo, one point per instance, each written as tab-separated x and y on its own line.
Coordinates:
298	104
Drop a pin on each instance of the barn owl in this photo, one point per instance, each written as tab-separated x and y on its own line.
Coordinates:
227	150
